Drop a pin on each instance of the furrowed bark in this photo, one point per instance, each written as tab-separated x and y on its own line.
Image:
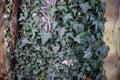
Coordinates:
14	34
14	25
3	68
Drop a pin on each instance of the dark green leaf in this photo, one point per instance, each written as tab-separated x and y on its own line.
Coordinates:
85	7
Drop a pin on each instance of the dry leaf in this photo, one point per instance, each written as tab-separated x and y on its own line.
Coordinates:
67	62
85	77
24	6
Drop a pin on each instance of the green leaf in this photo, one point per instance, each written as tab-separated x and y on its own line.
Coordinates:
87	54
67	17
85	7
26	14
62	8
99	76
21	18
54	24
69	35
103	51
52	11
101	26
93	2
78	27
45	36
74	11
77	39
62	32
33	33
70	1
93	64
96	25
56	48
103	6
63	43
60	54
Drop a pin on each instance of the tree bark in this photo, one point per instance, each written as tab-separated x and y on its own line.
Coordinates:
14	25
3	69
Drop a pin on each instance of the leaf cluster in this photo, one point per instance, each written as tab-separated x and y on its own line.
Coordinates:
77	35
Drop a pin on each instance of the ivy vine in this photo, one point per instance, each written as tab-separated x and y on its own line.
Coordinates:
60	40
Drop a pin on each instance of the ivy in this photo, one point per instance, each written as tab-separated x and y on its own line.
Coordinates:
61	41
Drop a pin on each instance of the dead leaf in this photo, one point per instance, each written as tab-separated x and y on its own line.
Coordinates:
68	62
85	77
24	6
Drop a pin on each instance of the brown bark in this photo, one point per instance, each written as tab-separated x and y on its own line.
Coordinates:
14	25
3	70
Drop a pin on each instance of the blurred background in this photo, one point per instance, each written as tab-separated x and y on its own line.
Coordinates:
112	62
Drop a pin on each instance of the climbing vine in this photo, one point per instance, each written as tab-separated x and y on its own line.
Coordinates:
60	40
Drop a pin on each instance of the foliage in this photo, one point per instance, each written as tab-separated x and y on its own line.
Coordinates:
73	48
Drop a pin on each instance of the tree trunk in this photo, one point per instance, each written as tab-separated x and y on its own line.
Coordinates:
3	70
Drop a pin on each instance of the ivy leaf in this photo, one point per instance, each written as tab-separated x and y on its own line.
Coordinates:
101	26
62	32
67	17
74	11
96	25
33	33
99	36
85	7
52	11
93	2
25	41
93	64
63	43
60	54
87	55
45	36
21	18
103	6
90	15
98	77
62	8
77	39
56	48
37	47
103	51
20	77
54	24
36	2
70	1
69	35
78	27
26	14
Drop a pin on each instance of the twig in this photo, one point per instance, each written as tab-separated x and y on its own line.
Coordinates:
45	15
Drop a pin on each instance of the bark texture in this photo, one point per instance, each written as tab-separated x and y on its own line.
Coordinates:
3	70
14	25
